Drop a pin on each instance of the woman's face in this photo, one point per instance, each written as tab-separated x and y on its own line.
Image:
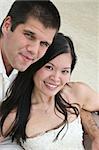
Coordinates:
51	78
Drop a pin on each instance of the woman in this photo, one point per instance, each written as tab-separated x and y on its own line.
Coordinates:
42	108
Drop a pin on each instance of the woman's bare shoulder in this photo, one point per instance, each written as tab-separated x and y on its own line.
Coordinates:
78	91
76	86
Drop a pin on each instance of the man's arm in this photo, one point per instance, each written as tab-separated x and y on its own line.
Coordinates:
91	128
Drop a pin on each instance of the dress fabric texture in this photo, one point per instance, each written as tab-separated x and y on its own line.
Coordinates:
8	145
69	139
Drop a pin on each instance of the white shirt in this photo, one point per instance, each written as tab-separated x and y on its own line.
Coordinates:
5	80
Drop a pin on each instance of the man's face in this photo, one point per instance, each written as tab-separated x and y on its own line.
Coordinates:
26	44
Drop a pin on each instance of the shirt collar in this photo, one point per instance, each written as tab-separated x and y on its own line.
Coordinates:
2	67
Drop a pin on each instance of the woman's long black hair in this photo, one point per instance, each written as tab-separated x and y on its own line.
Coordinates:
18	96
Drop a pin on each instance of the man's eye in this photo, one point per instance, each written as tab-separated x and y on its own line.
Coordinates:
29	36
45	44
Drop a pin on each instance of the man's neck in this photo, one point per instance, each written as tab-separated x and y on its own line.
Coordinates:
9	69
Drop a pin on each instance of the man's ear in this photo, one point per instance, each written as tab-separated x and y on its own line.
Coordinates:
6	25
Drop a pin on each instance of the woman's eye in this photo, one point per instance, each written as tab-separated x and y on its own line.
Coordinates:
65	71
49	67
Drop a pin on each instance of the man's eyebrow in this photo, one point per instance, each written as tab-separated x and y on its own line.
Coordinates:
32	33
28	31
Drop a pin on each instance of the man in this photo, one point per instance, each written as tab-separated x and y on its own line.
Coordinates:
25	34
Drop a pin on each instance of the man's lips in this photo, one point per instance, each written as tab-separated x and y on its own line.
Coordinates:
28	58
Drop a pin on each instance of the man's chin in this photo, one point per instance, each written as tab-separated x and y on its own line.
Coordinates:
21	69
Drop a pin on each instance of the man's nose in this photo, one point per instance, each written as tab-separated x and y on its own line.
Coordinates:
34	48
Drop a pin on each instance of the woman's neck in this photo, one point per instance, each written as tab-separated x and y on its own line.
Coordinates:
41	101
39	97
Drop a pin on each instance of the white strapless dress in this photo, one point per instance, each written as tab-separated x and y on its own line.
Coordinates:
8	145
71	141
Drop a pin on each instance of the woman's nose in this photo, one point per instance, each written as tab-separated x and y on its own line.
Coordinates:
56	77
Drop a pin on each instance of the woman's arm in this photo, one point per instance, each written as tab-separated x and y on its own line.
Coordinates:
88	99
89	124
91	127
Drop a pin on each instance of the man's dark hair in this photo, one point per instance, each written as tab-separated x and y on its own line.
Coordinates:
44	11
